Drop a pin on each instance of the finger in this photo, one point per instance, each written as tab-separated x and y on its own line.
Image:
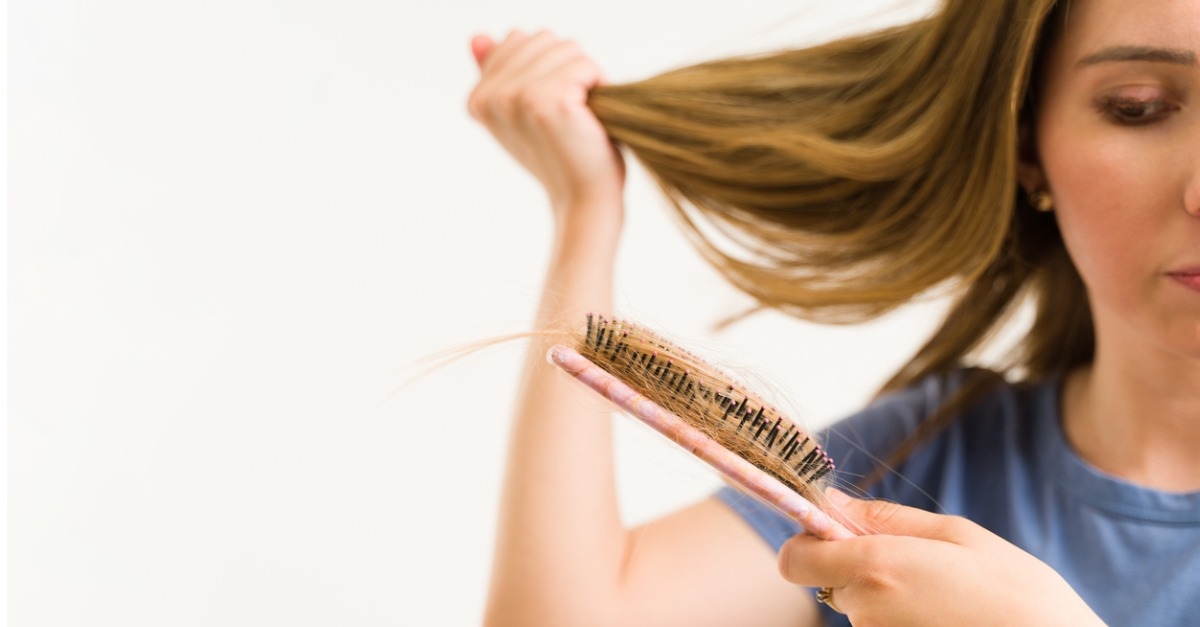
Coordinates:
494	58
528	87
481	46
562	92
886	517
524	54
809	561
579	72
567	78
858	571
503	50
549	61
825	595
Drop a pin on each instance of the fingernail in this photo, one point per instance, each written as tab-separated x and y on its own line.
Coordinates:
554	355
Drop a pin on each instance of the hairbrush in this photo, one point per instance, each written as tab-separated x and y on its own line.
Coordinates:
708	413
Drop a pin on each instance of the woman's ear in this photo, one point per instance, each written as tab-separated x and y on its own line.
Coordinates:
1030	176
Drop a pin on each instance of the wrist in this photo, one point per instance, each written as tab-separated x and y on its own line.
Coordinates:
595	227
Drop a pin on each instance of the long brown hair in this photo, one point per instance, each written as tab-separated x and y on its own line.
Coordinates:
839	182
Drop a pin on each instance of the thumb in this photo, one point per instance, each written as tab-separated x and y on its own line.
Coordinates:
886	517
481	47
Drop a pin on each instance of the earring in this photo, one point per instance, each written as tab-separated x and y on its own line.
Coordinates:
1042	200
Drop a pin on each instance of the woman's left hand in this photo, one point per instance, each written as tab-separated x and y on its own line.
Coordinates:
920	568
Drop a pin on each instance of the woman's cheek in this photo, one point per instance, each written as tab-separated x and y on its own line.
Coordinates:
1101	188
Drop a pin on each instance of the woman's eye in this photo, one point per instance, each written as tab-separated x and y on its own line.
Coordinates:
1134	112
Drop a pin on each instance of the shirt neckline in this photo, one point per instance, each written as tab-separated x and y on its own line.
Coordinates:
1108	493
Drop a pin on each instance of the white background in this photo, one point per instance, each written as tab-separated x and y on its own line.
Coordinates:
234	226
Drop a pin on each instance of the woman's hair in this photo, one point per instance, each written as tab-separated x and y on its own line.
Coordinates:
849	178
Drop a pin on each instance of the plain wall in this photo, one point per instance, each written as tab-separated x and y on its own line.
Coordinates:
234	226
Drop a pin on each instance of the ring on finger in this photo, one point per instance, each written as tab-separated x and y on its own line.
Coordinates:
825	595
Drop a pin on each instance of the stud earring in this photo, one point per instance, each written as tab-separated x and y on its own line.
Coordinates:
1042	200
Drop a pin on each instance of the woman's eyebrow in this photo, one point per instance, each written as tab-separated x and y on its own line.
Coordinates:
1140	53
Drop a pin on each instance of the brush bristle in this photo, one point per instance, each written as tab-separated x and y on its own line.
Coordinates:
708	399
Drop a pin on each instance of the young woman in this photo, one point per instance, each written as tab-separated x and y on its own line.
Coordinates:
1013	148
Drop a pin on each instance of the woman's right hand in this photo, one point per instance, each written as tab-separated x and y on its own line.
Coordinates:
532	96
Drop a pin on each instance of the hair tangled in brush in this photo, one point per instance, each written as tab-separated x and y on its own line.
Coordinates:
708	399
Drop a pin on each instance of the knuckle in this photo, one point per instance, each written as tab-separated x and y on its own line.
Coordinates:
546	106
477	102
878	577
508	99
570	45
539	102
958	527
529	100
475	106
956	523
876	560
490	107
874	554
580	65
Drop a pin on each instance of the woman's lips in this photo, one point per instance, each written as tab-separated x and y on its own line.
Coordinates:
1189	278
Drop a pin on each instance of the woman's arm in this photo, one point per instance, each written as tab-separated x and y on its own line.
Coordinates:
563	556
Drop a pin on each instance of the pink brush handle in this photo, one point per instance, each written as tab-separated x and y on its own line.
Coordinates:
740	471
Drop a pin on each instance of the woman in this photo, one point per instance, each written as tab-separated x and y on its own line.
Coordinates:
1010	147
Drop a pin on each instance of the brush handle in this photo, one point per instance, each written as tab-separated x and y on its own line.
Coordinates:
751	479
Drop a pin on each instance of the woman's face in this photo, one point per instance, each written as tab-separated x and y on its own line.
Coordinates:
1118	139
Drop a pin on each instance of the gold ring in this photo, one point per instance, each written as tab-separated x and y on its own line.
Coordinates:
825	595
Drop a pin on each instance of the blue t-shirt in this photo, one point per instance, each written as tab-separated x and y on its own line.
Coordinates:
1132	553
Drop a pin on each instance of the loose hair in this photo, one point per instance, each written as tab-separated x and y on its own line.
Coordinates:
852	177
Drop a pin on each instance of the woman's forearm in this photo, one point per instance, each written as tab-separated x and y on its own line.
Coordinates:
560	539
